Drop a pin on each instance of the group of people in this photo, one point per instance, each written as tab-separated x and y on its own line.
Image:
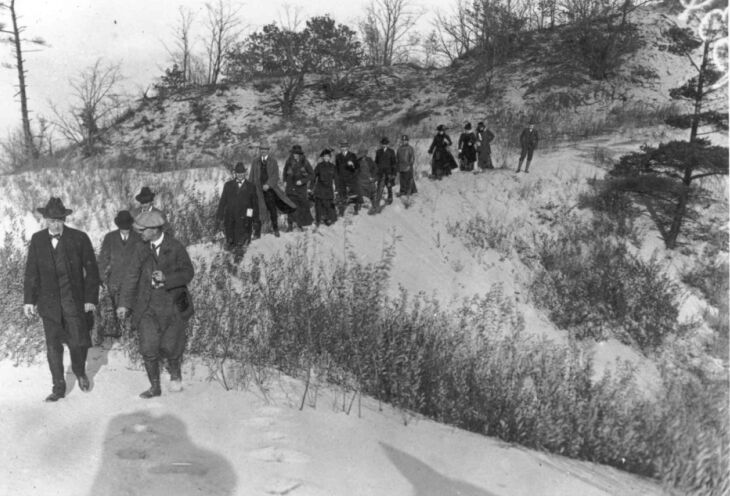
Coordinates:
145	271
254	196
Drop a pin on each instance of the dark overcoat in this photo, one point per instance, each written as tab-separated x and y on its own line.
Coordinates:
485	139
299	171
367	176
467	145
283	202
174	262
347	175
442	157
529	139
114	258
41	286
323	181
385	163
233	206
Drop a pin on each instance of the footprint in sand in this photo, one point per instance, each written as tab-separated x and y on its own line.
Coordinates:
278	455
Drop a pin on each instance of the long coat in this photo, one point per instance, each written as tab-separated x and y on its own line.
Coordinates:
233	208
484	140
347	175
529	139
114	258
283	202
386	163
323	181
367	178
41	283
467	145
174	262
442	157
299	171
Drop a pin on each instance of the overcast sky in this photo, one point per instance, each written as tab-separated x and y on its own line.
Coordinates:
130	32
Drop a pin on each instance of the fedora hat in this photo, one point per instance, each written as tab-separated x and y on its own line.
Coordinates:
153	218
240	168
54	209
384	140
467	126
124	219
145	195
297	150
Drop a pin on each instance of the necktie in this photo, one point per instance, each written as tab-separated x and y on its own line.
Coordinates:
56	236
154	248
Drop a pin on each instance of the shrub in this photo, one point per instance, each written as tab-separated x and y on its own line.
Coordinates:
591	284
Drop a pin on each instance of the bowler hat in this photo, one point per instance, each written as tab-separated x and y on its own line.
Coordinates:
384	140
240	168
480	124
153	218
326	151
467	126
124	219
54	209
297	150
441	127
145	195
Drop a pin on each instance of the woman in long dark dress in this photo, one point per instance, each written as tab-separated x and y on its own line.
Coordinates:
467	149
297	175
442	160
323	189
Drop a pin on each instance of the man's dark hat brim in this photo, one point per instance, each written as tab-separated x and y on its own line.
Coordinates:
145	195
297	150
54	209
240	168
385	141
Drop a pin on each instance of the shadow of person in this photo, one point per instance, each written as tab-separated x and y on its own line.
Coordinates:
426	481
147	455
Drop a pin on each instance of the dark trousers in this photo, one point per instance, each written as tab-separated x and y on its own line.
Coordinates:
238	232
407	183
161	329
270	201
56	334
384	182
349	190
526	152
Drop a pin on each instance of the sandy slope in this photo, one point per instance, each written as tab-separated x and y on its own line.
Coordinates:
206	441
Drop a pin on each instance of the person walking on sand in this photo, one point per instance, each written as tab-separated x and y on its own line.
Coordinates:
238	209
386	166
114	256
406	158
441	161
62	287
484	147
264	175
366	176
467	149
155	290
297	176
528	142
323	189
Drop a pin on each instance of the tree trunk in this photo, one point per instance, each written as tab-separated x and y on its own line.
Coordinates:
27	134
700	90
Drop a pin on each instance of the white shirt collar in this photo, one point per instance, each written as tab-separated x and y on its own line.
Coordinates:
157	243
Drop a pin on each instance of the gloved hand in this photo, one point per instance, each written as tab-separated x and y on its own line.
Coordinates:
89	307
30	310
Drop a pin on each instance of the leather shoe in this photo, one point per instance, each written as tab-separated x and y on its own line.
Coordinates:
151	392
84	383
53	397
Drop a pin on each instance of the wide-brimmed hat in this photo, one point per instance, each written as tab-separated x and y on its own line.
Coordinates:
326	151
153	218
384	140
297	150
145	195
240	168
54	209
440	127
124	219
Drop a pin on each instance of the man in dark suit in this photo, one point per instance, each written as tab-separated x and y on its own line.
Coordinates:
528	142
238	209
265	177
114	257
386	168
62	286
348	171
155	290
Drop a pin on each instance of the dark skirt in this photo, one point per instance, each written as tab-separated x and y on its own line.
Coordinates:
302	216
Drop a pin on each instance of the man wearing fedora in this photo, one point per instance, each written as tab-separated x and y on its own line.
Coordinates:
348	184
238	209
264	175
528	142
406	158
114	257
155	289
386	165
144	198
62	286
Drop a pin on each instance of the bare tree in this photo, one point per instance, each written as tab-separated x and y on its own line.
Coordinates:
181	52
224	30
96	101
16	39
454	31
384	28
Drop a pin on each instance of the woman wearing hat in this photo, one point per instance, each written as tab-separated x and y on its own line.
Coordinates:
62	286
442	161
114	257
298	174
484	147
467	149
323	189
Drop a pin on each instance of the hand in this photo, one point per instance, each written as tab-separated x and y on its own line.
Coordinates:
89	307
30	310
122	313
299	182
265	187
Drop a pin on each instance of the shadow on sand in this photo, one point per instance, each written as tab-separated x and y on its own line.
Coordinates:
426	481
144	454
